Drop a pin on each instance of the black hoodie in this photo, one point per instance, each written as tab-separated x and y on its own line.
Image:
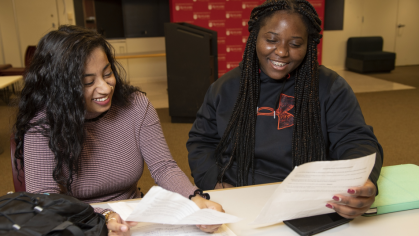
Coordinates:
344	130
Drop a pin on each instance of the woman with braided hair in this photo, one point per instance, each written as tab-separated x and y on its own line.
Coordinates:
280	109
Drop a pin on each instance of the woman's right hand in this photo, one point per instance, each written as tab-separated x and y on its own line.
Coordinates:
204	203
118	226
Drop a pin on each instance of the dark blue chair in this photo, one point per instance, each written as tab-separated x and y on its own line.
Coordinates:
366	55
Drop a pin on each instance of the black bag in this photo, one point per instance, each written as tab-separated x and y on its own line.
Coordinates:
48	214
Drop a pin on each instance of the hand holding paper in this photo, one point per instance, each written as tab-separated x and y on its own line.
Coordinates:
309	187
165	207
359	201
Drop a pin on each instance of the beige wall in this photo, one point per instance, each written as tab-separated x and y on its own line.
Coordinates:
147	69
142	70
1	48
139	70
361	18
380	19
34	20
66	14
9	34
28	28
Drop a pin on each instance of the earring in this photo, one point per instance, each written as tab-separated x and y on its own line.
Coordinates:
111	87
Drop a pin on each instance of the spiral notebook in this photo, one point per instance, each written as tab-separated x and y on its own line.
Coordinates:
398	190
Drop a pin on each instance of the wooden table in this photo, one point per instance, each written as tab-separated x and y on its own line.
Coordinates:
247	202
5	82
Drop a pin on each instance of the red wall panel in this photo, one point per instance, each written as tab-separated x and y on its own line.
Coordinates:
229	18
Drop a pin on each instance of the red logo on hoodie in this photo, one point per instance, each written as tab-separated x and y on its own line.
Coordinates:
285	119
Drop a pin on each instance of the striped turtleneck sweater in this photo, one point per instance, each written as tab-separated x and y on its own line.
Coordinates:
112	161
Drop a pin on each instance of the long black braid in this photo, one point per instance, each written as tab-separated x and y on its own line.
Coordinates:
239	137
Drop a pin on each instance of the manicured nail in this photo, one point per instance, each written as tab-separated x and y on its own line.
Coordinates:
124	228
329	206
351	191
336	198
203	226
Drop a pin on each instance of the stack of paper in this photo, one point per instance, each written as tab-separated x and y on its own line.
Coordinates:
165	207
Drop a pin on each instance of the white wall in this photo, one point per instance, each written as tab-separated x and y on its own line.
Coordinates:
361	18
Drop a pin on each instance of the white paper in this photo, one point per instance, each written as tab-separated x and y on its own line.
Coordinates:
152	229
165	207
309	187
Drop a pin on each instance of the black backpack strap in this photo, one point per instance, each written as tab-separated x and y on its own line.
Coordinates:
67	225
76	231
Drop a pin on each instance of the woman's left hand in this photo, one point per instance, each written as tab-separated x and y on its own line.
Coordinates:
359	201
204	203
117	226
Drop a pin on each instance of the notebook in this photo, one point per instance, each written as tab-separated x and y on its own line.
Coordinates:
398	190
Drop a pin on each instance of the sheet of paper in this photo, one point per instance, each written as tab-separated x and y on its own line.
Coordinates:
152	229
309	187
165	207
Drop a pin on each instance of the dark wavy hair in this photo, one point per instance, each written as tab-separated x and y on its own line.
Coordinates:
53	84
307	142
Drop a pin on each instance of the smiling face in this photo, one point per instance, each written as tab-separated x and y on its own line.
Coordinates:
99	83
281	44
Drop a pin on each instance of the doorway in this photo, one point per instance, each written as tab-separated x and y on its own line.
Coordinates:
407	33
398	23
34	20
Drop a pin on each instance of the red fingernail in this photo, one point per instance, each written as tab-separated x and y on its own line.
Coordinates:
329	206
336	198
351	191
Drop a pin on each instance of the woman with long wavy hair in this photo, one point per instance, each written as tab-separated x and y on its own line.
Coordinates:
82	131
280	109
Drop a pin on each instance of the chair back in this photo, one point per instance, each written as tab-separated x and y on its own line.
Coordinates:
30	50
19	183
5	66
364	44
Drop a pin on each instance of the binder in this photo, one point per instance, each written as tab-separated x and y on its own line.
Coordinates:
398	190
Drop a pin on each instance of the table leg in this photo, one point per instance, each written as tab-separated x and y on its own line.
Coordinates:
6	95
